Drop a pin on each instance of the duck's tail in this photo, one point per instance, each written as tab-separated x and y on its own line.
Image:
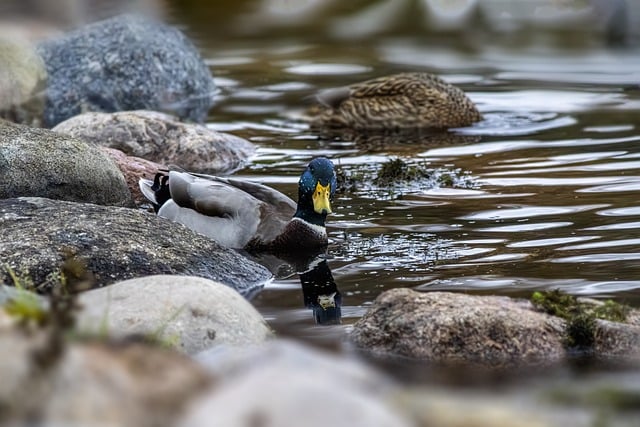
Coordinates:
157	191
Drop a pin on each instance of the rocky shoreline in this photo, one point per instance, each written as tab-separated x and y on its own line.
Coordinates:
166	335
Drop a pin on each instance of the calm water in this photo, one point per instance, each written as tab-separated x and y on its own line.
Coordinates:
555	163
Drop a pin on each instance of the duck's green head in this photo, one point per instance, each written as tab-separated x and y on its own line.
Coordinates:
316	188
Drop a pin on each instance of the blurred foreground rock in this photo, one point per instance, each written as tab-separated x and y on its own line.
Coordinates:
498	332
189	313
93	384
125	63
162	138
42	163
115	243
22	82
284	384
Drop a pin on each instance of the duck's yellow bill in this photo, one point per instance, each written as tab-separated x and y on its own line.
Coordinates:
320	198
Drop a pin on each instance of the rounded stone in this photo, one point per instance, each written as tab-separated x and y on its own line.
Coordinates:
188	313
41	163
115	244
452	328
162	138
125	63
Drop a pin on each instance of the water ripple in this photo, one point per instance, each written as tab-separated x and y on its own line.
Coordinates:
529	211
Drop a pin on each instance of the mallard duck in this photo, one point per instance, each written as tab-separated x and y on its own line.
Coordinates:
396	102
247	215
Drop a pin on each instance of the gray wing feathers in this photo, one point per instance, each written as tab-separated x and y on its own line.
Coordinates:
229	211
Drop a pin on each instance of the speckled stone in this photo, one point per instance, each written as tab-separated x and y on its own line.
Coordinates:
116	244
454	328
125	63
41	163
162	138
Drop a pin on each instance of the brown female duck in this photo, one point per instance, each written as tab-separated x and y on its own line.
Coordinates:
396	102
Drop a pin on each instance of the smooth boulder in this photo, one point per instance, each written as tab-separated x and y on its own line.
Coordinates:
115	244
190	314
162	138
93	383
125	63
41	163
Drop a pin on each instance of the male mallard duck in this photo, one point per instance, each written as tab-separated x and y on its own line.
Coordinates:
242	214
399	101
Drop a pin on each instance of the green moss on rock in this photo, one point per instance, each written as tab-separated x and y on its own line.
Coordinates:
580	316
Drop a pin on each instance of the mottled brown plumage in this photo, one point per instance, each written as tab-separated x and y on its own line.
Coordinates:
399	101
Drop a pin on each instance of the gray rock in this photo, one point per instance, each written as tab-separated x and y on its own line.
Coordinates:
455	328
617	341
189	313
22	82
125	63
116	244
93	384
42	163
161	138
284	384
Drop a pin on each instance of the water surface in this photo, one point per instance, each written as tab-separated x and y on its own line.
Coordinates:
555	163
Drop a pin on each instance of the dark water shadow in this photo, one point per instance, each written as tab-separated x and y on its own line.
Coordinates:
319	290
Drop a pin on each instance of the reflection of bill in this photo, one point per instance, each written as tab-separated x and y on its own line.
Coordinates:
320	293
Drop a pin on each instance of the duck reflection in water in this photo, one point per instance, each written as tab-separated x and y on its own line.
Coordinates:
320	292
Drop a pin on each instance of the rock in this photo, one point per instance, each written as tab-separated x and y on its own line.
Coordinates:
190	313
444	327
125	63
42	163
616	341
116	244
22	81
94	384
284	384
133	168
163	139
